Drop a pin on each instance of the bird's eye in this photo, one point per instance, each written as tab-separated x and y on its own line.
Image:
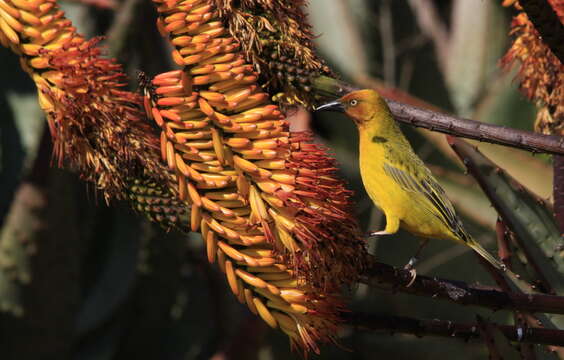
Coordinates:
353	102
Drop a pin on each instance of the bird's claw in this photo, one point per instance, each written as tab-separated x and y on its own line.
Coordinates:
377	233
411	264
410	267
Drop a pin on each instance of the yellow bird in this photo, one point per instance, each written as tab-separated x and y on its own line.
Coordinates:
396	179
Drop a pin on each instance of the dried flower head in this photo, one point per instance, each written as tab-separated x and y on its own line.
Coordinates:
277	39
541	73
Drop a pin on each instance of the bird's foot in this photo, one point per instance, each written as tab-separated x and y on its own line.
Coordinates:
377	233
410	266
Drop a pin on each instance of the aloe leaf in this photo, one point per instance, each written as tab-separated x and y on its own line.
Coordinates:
524	213
18	241
503	103
526	216
342	42
116	277
475	45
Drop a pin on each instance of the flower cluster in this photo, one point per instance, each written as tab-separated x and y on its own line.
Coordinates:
266	201
541	73
96	126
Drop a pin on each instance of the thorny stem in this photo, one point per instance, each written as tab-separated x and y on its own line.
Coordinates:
559	191
505	254
450	329
386	276
504	250
452	125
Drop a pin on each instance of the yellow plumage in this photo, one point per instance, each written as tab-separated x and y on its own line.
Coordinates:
396	180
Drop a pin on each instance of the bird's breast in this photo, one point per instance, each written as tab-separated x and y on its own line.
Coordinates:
379	186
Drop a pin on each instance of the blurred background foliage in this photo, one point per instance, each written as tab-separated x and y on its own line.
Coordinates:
82	280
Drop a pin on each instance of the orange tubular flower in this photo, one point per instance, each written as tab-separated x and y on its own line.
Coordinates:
541	73
265	200
94	124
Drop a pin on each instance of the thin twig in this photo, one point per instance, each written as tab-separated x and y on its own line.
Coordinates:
505	255
386	276
436	327
504	250
452	125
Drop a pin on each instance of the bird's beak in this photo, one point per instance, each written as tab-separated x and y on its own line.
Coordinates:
332	106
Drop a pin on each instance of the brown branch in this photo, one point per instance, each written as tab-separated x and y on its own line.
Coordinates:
558	191
385	276
452	125
547	23
476	130
450	329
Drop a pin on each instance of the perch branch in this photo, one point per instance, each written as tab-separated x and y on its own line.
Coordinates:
450	329
385	276
452	125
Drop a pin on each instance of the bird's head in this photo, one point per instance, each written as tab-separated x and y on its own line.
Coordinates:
363	106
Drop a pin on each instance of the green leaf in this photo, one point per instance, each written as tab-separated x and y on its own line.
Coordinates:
478	38
504	104
342	42
18	241
524	213
117	270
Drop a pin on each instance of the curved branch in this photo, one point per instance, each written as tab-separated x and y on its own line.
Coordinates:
452	125
385	276
450	329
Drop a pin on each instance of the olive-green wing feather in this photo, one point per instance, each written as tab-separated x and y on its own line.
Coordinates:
432	196
435	199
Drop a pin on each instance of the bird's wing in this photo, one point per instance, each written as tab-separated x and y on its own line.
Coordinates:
433	197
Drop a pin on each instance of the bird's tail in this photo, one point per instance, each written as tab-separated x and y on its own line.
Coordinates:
486	255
